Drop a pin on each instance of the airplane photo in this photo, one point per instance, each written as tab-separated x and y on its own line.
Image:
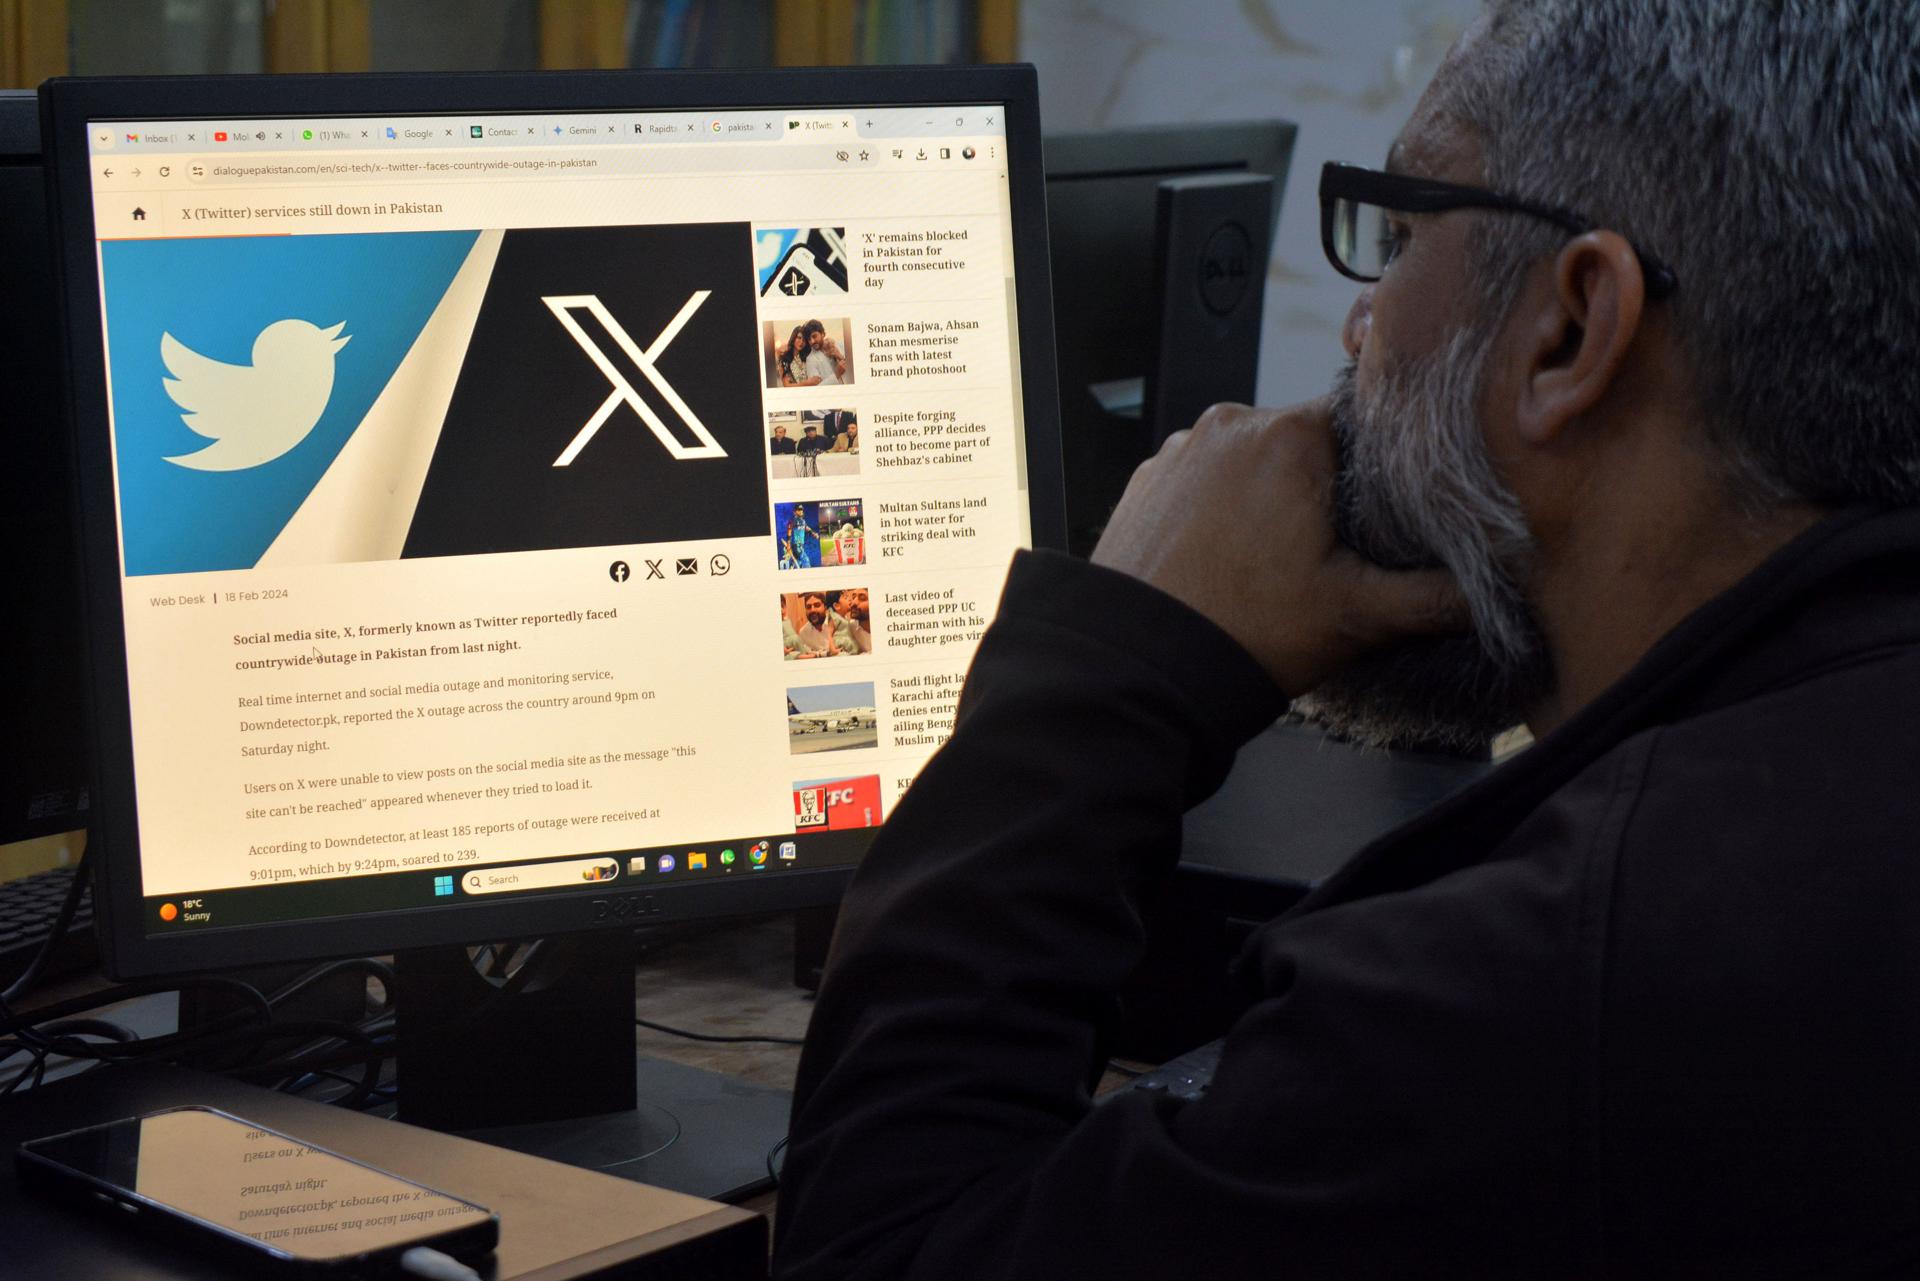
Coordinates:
832	718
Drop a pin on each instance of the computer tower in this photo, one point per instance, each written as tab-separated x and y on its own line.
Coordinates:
43	765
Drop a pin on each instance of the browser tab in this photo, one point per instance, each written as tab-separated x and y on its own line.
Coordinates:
814	128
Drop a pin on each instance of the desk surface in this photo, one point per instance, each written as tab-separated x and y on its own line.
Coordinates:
729	981
1298	804
544	1233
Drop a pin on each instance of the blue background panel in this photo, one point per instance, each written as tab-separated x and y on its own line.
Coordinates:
215	296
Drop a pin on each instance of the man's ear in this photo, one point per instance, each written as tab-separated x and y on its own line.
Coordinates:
1579	333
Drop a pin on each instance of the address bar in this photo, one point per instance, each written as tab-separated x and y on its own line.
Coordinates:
234	171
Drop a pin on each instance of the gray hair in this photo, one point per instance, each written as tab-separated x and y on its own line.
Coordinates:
1768	151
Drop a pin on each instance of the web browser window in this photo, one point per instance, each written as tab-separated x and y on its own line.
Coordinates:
510	504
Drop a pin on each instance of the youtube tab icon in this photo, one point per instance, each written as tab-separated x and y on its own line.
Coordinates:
220	136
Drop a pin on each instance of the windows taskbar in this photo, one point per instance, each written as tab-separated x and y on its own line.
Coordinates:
619	872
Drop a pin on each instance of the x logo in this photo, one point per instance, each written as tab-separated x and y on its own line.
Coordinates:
563	306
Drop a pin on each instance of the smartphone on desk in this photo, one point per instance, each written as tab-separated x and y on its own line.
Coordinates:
261	1198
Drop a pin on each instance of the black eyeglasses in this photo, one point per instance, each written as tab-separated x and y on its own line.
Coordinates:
1360	239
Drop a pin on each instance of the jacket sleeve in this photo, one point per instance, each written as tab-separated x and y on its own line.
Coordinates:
942	1123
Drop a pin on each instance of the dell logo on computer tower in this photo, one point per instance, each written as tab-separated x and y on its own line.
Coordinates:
1210	232
1225	268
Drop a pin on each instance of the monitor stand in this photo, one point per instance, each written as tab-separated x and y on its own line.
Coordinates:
544	1063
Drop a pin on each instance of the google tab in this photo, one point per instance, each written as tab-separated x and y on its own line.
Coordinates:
755	126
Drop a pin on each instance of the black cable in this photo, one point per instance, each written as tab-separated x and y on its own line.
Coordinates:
89	1027
254	1035
56	1030
16	1046
369	1053
10	1023
721	1040
29	1035
61	1039
62	919
356	1044
773	1152
36	1069
378	1094
366	965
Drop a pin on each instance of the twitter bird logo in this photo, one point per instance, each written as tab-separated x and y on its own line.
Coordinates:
253	413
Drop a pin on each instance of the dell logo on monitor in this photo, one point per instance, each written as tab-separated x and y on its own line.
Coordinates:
563	306
624	907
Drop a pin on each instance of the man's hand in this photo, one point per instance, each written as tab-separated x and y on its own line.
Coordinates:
1234	518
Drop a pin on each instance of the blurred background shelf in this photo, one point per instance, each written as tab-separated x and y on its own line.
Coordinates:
42	38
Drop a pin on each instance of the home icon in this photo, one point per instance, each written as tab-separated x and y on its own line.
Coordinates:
139	215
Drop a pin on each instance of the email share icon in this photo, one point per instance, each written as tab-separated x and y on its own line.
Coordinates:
686	565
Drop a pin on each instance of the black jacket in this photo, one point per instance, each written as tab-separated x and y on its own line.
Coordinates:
1644	1001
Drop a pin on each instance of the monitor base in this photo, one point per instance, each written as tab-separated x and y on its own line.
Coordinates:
692	1131
542	1061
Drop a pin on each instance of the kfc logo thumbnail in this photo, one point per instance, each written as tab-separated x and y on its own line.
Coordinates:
837	804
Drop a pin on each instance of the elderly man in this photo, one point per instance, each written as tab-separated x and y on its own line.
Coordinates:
1630	450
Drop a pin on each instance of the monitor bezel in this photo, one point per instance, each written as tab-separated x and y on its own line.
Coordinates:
69	105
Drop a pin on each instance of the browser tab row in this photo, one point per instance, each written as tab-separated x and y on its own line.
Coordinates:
532	130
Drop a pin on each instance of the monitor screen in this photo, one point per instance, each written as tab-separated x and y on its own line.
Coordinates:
448	461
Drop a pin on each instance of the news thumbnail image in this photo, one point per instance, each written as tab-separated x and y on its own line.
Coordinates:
607	392
809	352
820	534
836	804
286	400
826	623
813	442
800	262
831	718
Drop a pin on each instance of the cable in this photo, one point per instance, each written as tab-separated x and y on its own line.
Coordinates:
32	1069
423	1262
90	1027
61	920
56	1030
385	1094
773	1152
367	965
721	1040
29	1033
11	1022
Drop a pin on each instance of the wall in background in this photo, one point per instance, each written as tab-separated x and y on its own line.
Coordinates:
1347	71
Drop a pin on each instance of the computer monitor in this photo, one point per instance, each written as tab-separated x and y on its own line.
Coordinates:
1113	276
428	477
43	760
